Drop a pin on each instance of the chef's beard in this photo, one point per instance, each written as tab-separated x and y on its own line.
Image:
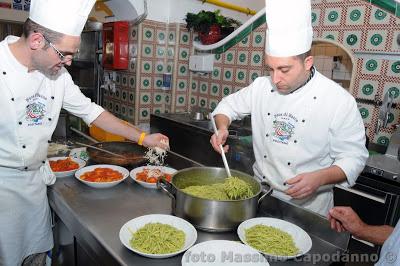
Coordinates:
45	70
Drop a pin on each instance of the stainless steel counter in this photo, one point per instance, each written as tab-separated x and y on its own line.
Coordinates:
95	216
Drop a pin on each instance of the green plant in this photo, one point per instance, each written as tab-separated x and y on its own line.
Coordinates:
202	21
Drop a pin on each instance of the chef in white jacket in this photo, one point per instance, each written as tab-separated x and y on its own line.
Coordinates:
34	86
307	131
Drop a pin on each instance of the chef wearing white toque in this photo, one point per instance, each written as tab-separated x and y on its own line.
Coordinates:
307	131
34	86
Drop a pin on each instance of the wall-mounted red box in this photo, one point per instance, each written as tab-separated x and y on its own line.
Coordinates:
116	45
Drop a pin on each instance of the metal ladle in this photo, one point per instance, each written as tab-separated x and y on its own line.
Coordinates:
228	172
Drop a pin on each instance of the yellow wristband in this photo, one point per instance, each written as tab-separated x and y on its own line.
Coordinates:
141	138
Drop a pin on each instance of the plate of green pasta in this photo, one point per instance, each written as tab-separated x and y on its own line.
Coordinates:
275	238
158	235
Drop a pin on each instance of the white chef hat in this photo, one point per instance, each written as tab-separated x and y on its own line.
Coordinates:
289	30
64	16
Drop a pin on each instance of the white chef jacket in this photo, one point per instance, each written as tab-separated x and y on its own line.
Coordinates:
30	104
390	252
312	128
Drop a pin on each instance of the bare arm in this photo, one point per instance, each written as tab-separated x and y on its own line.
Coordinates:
345	219
112	124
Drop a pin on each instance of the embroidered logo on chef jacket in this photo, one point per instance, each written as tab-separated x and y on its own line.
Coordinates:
284	126
35	109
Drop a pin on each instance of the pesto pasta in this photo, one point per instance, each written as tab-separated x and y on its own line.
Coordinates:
233	188
271	240
157	238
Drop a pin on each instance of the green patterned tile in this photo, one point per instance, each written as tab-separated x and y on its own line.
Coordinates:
118	79
215	89
132	82
117	94
180	100
145	98
160	51
315	17
171	37
161	36
131	112
203	102
330	35
216	74
131	98
393	89
393	69
158	82
170	52
212	104
117	108
241	76
133	33
332	16
184	54
194	86
258	39
382	138
124	81
147	66
352	39
133	47
366	112
183	69
144	113
379	16
243	58
256	58
182	84
124	96
376	39
185	38
158	98
124	110
355	15
244	42
227	74
193	101
371	66
157	110
170	66
145	82
132	65
148	34
253	74
203	89
389	5
229	57
226	90
367	89
159	67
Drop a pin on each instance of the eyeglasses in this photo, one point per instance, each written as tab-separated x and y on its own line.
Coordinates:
63	58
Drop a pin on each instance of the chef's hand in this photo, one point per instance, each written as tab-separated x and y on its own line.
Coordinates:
345	219
156	140
221	139
303	185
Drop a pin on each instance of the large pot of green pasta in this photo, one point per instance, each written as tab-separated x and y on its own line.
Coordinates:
210	200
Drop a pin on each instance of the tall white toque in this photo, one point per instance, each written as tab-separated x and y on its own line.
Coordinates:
64	16
289	30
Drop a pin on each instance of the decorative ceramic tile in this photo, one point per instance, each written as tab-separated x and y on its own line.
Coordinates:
229	57
170	52
180	100
203	102
124	96
378	16
145	98
170	66
133	49
157	110
241	76
160	51
213	104
132	82
158	82
203	87
226	90
218	58
167	98
132	65
124	110
183	69
393	118
194	86
253	74
131	112
243	58
257	58
331	35
161	36
182	84
193	101
171	37
396	35
367	89
393	69
144	114
184	54
147	66
133	33
393	89
332	16
372	66
315	16
258	39
124	80
117	109
147	50
145	82
160	68
355	15
376	39
131	98
158	98
352	39
117	94
185	38
148	34
382	138
215	89
118	79
244	42
228	74
216	74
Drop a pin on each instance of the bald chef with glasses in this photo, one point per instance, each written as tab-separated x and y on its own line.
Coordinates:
34	86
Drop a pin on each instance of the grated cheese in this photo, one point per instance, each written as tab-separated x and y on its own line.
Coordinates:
156	155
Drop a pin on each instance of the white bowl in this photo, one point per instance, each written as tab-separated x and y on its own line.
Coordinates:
164	169
81	163
300	237
135	224
223	252
122	170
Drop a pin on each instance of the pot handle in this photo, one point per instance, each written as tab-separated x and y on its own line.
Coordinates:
266	192
167	188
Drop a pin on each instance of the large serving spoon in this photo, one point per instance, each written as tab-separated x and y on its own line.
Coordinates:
228	172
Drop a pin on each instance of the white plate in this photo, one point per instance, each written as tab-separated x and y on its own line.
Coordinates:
81	163
223	252
190	232
164	169
300	237
122	170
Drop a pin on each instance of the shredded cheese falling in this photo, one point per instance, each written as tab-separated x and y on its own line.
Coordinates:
156	155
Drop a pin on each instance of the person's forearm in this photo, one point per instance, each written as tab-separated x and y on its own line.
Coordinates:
331	175
114	125
376	234
222	121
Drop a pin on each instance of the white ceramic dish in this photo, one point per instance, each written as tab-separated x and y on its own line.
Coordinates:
135	224
122	170
164	169
223	252
300	237
62	174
